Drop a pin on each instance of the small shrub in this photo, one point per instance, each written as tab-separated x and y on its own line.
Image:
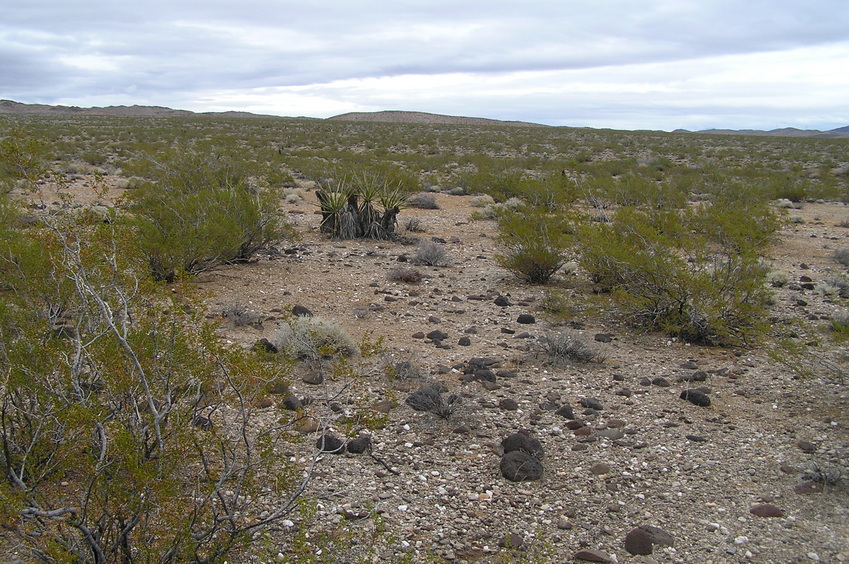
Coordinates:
777	279
424	201
430	253
564	347
403	370
535	243
200	212
413	225
842	256
430	398
404	274
840	325
482	201
313	338
240	314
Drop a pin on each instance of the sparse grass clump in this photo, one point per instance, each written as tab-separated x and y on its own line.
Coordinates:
240	315
431	253
564	347
840	325
841	256
405	274
312	338
482	201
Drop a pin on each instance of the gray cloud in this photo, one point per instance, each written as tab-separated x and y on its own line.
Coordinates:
639	62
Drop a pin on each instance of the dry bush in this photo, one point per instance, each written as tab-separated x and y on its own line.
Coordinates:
240	314
565	347
430	253
313	338
404	274
424	201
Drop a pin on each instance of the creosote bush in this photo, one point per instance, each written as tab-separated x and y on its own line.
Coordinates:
535	243
694	273
201	211
127	431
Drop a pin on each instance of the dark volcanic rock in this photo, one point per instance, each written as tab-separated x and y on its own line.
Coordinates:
301	311
696	397
437	336
593	556
526	319
642	539
565	411
523	441
292	403
359	445
265	345
501	301
519	466
508	404
331	444
591	403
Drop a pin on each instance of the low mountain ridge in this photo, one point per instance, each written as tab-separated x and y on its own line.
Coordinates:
398	116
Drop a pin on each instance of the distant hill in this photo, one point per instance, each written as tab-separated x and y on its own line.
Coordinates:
17	108
783	132
393	116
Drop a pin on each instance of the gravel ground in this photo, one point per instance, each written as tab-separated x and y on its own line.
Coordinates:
433	487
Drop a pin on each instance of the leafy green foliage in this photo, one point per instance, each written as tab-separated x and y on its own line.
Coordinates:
115	444
535	243
695	273
201	211
22	157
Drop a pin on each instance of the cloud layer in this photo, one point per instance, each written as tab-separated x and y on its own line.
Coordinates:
625	64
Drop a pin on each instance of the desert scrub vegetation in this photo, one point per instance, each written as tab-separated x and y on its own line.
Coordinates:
567	346
841	256
696	273
198	211
127	428
430	253
535	243
365	206
313	338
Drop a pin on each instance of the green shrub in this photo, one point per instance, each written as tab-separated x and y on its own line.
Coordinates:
695	274
22	157
115	444
534	243
201	211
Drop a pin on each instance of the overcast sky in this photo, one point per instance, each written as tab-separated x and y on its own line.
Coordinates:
623	64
